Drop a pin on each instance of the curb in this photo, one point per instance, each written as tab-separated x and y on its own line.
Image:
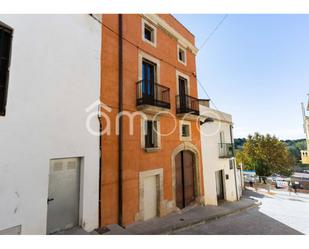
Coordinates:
204	221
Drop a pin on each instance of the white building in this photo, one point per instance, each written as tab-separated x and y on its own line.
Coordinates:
221	177
46	152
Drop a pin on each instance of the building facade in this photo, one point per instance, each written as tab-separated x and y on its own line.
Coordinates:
151	154
305	153
49	163
222	180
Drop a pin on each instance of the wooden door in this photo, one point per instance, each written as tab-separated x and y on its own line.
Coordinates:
179	181
188	170
185	193
183	91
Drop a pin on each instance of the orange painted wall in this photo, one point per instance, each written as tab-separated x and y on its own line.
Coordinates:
135	159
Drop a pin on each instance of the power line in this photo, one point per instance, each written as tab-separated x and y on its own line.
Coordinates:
181	69
214	31
138	47
213	103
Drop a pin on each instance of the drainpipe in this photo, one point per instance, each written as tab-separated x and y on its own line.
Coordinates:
234	166
100	166
120	107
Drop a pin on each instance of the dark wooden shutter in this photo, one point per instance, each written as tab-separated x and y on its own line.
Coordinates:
5	54
188	166
179	181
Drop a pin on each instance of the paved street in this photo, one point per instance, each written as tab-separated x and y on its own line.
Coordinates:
280	213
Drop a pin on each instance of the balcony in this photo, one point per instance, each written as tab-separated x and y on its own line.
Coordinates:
152	97
226	150
186	104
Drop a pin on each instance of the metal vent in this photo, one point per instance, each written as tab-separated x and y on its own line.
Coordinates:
71	165
58	166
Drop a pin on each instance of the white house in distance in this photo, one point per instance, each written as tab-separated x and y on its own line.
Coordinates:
49	162
221	178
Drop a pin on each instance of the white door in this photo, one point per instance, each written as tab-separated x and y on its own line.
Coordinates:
63	194
150	197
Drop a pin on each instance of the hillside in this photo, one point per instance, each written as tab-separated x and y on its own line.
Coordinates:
294	146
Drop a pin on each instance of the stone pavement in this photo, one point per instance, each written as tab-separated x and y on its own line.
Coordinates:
188	218
176	221
248	222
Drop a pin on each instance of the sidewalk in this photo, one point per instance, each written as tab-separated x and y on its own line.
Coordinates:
176	222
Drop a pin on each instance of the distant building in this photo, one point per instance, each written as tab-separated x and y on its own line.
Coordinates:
222	180
305	153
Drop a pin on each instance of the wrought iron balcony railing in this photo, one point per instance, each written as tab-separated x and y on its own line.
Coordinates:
187	104
152	93
226	150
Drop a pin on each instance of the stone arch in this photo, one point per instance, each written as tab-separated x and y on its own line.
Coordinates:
197	181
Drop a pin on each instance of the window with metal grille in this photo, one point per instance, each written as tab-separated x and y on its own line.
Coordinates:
185	130
151	135
5	56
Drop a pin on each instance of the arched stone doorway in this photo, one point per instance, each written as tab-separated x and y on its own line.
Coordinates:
186	175
185	190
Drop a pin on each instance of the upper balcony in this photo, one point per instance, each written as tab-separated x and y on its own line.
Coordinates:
187	105
152	97
226	150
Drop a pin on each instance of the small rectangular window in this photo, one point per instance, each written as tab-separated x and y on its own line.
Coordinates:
151	136
181	55
185	130
222	138
231	163
5	57
148	33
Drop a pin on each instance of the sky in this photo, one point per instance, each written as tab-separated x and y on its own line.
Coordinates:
255	67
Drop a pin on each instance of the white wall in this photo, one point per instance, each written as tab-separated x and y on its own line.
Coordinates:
210	139
55	76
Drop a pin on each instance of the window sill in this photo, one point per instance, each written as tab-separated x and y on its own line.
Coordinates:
152	43
185	139
182	62
149	150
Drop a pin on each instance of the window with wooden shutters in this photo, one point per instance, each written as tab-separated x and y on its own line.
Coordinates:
5	55
151	135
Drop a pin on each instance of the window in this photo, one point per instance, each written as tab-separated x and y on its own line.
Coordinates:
183	83
222	138
149	33
5	56
151	134
231	161
182	55
185	130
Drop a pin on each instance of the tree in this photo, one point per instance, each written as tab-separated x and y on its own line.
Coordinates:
266	155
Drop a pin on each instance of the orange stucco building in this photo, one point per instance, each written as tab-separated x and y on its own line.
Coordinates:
151	60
